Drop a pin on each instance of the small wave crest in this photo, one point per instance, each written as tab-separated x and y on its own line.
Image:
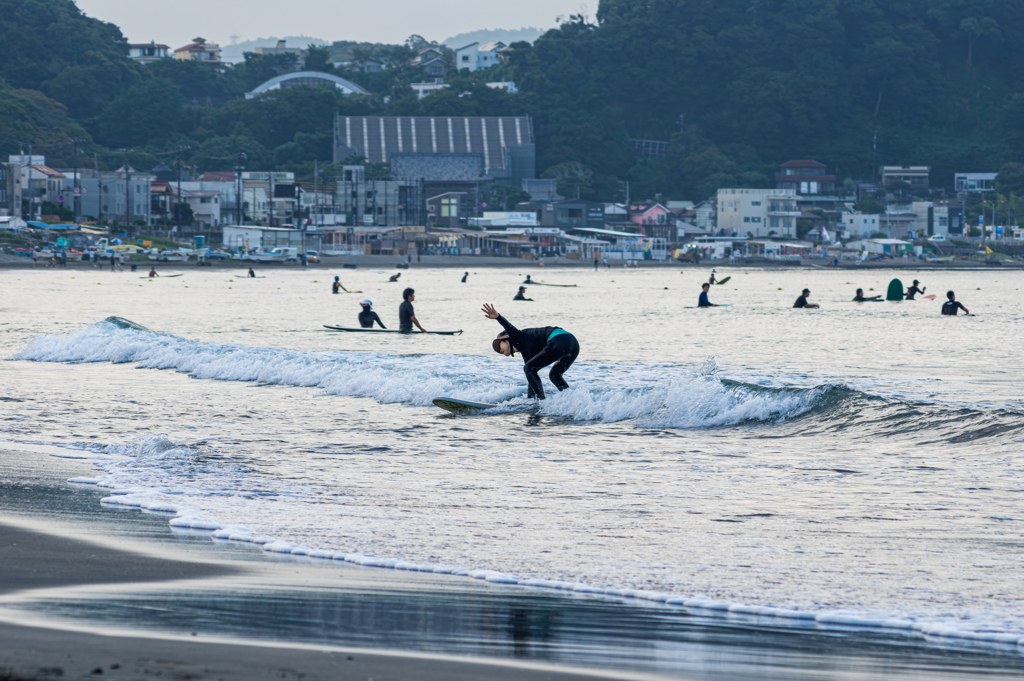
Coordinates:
673	397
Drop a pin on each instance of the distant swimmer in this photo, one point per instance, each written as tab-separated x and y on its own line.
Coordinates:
252	275
406	314
539	348
528	280
336	286
395	277
152	272
914	290
367	317
802	300
703	300
952	306
711	279
859	298
520	294
465	275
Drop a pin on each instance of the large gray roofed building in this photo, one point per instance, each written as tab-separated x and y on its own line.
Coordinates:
506	144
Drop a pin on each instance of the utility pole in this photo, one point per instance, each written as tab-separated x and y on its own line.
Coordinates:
316	192
238	192
30	182
77	188
99	199
127	191
177	165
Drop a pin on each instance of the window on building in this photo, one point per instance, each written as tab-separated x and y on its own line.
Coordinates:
755	203
746	219
773	222
465	57
803	187
205	199
449	208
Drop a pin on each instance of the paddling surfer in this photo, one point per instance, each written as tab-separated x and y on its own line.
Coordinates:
914	290
703	300
539	348
367	316
520	294
406	314
802	300
953	306
394	277
859	298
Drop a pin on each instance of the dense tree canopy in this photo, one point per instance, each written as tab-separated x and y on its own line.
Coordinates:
734	87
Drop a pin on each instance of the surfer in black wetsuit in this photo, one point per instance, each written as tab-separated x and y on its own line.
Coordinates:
252	275
952	306
528	280
859	298
711	279
464	277
914	290
367	316
703	300
406	314
394	277
539	348
336	286
802	300
520	296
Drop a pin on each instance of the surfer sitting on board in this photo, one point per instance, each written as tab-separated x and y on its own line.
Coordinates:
337	287
802	300
711	279
520	296
914	290
859	298
528	280
252	275
703	300
406	315
367	317
152	272
539	348
394	277
952	306
465	275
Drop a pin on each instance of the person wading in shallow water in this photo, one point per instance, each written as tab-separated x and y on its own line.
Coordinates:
539	348
406	314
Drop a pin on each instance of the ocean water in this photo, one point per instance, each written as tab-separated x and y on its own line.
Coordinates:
854	467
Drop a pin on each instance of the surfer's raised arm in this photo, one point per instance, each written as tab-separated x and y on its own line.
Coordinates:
539	348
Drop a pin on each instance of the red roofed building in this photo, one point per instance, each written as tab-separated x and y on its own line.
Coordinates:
200	50
805	177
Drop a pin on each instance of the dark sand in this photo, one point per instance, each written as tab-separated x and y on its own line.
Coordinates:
54	537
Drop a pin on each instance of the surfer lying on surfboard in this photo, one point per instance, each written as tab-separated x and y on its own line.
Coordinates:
539	348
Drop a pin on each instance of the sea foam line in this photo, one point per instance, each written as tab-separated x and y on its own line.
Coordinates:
933	633
674	397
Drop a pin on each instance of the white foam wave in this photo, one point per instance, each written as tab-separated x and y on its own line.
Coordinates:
670	397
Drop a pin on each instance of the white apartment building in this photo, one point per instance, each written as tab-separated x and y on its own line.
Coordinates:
758	212
859	225
476	56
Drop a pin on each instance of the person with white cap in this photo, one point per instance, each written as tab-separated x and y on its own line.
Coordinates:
367	317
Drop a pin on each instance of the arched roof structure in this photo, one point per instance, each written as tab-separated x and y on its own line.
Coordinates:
308	78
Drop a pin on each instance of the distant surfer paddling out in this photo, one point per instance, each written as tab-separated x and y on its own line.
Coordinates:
367	316
860	298
406	313
539	348
394	277
802	300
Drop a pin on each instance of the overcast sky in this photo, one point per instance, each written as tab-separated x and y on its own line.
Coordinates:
385	21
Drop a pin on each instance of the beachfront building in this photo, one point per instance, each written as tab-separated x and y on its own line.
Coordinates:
860	225
805	177
122	196
907	177
757	212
